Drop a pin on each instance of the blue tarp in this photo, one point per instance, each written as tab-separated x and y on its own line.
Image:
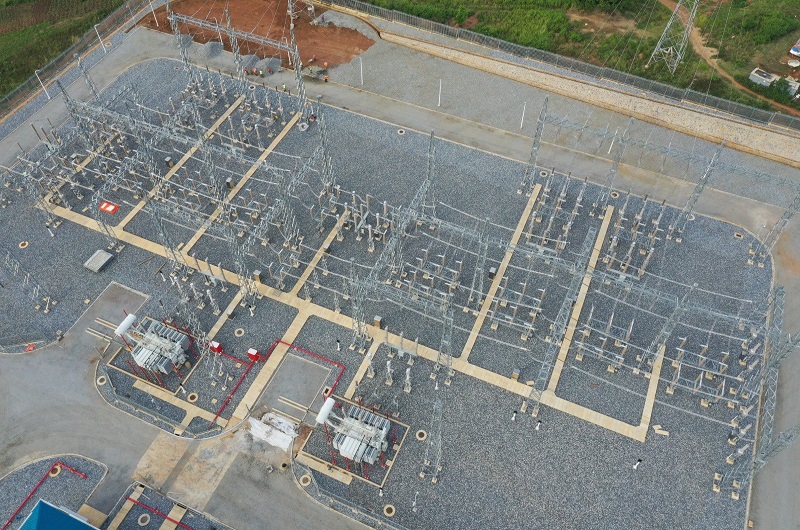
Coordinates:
45	516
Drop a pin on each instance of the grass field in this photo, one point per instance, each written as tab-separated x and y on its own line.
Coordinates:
623	34
34	32
756	34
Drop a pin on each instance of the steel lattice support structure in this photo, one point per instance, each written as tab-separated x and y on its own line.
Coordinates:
432	461
742	471
37	293
444	359
648	357
672	45
530	170
235	35
429	202
765	247
608	186
679	224
89	82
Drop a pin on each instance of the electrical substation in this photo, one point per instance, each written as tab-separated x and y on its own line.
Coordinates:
453	338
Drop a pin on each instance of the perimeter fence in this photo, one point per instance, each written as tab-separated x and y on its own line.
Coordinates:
123	17
593	72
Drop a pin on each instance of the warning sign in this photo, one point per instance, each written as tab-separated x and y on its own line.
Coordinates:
108	207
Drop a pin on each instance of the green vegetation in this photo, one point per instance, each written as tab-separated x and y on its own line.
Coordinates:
542	24
748	30
34	32
748	27
756	34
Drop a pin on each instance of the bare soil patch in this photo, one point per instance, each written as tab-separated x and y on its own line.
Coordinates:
269	18
594	22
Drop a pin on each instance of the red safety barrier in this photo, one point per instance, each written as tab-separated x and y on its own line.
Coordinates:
165	516
35	488
265	358
239	382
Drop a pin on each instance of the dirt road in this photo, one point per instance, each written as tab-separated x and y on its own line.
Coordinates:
708	55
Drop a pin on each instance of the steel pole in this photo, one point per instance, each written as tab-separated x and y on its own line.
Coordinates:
36	72
100	39
153	11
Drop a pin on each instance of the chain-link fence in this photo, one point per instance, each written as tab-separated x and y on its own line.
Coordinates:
762	117
123	16
115	398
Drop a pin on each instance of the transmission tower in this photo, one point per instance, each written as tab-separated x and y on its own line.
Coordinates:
740	475
89	83
444	360
672	45
530	170
765	247
679	224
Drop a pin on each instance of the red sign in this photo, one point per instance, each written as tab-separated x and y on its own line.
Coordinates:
108	207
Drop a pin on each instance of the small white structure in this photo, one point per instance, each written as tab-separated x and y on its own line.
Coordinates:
360	436
275	430
794	86
762	77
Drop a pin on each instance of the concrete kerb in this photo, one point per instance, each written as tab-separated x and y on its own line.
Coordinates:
223	432
118	506
59	457
757	433
432	49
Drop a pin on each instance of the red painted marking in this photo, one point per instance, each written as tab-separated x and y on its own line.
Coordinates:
265	358
108	207
321	358
41	481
